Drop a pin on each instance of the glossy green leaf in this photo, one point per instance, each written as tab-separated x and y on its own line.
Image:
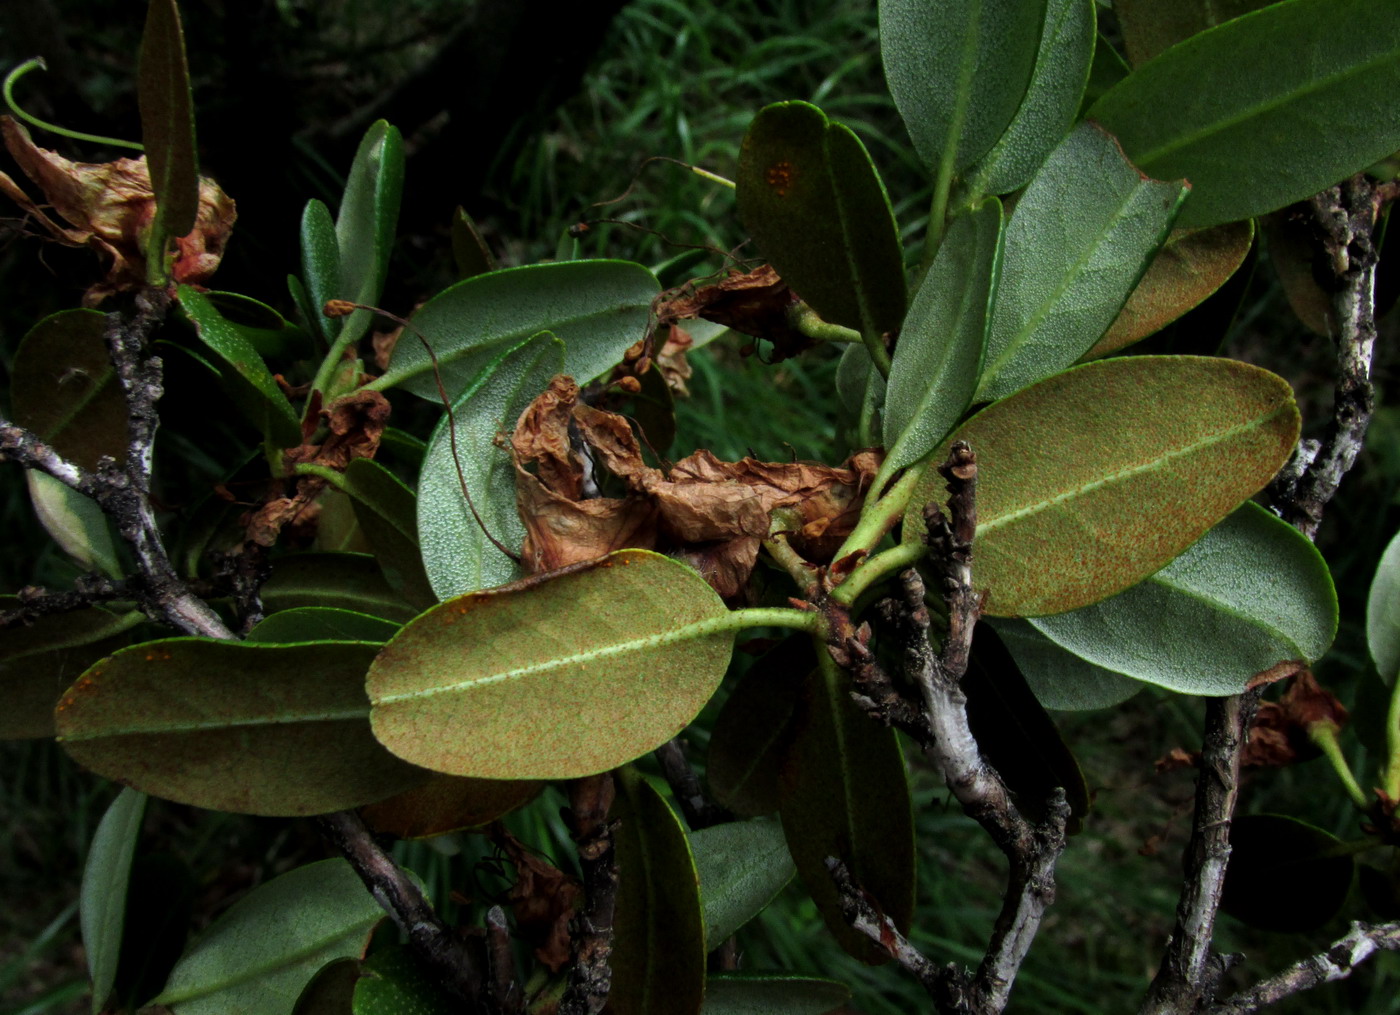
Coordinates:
742	866
811	199
1252	592
749	743
457	553
320	623
939	355
597	308
250	383
1080	238
167	119
1383	613
1016	735
320	266
76	522
232	726
448	803
846	795
658	957
1134	459
364	228
63	388
1151	26
1050	103
102	909
1058	678
395	982
346	581
1285	876
1189	267
386	512
257	957
39	660
1221	105
958	71
757	994
469	251
567	676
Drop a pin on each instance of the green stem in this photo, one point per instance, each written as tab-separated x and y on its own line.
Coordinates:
53	128
879	517
773	616
712	177
1324	734
780	549
877	567
1391	776
333	359
806	320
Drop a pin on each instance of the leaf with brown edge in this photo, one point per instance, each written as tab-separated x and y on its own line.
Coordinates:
448	803
1093	479
658	957
1191	265
278	730
167	118
560	677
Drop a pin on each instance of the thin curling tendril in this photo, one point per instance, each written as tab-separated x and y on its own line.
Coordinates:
53	128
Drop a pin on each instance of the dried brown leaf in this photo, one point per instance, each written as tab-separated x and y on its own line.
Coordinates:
755	303
543	898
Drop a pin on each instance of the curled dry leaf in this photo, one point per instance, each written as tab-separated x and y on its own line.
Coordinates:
755	304
543	899
109	206
356	422
712	513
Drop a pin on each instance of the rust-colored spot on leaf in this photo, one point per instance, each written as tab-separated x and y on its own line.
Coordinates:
779	176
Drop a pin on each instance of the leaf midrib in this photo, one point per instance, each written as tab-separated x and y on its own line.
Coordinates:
263	971
1122	475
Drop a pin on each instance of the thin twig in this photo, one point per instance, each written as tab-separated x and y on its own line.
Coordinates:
699	811
431	939
37	602
590	979
505	995
1336	963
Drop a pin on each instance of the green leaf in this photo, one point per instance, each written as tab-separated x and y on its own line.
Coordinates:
1253	592
321	623
167	120
809	195
1080	238
448	803
231	726
861	389
1016	735
1059	679
1285	876
1106	71
346	581
320	267
658	957
1051	101
1094	478
1189	267
846	795
457	554
395	982
250	383
939	355
331	991
469	251
742	866
268	332
597	308
757	994
257	957
103	898
569	675
1151	26
39	660
752	732
1222	106
1383	613
958	71
63	388
364	228
76	522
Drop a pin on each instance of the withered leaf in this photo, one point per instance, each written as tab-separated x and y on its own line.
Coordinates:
543	898
755	303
